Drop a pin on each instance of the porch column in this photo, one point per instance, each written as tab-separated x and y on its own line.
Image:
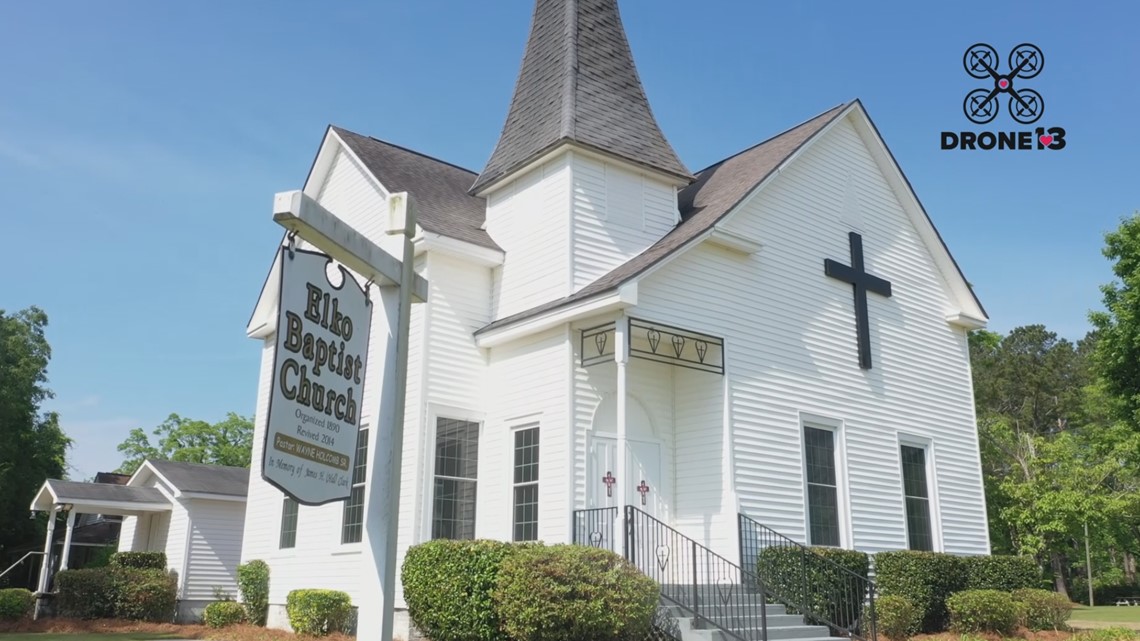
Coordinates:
45	567
67	539
621	358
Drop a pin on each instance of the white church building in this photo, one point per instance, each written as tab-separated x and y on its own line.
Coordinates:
781	335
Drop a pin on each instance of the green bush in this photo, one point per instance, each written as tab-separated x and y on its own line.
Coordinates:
807	583
139	560
85	594
926	578
1043	609
982	611
1005	573
16	604
573	592
897	617
220	614
448	585
253	581
101	558
144	594
318	612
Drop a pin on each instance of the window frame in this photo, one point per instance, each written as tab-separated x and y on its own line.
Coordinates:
842	489
516	485
427	521
286	501
926	444
353	487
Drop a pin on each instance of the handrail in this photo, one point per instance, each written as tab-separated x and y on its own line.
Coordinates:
697	579
595	527
13	566
821	589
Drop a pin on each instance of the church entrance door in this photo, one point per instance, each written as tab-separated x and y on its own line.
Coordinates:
643	463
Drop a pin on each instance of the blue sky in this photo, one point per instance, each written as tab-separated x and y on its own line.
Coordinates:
141	144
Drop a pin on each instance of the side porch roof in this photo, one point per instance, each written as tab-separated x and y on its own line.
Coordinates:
99	498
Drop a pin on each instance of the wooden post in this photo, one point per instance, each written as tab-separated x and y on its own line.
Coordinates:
621	357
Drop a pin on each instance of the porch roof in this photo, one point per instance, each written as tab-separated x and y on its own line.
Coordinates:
99	498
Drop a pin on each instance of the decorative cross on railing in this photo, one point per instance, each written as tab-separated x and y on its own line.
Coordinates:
609	480
643	489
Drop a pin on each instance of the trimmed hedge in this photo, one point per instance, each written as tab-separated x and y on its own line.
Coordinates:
253	582
85	594
926	578
1005	573
897	617
982	611
1043	609
831	592
16	604
139	560
448	586
220	614
573	592
318	612
144	594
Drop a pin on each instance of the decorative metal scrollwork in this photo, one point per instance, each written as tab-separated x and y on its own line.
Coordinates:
600	342
654	337
596	539
678	345
702	349
662	556
689	349
597	345
725	588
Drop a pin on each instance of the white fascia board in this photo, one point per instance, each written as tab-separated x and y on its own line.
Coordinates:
625	296
119	508
734	241
44	499
470	252
263	321
966	321
213	497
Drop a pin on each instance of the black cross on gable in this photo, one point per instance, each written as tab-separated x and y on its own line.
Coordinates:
862	283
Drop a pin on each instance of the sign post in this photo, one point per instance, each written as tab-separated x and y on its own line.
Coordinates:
399	286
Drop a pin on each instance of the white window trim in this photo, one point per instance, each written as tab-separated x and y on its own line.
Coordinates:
532	422
427	463
346	548
843	491
926	444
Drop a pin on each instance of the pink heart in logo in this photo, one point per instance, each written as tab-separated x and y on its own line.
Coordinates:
1003	83
1046	140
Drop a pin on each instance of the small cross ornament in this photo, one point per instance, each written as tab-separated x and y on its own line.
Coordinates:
609	480
643	489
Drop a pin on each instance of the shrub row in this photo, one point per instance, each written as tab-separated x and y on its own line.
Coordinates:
493	591
139	560
828	581
16	604
928	579
220	614
122	591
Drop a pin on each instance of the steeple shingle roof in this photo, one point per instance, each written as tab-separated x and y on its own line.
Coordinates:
578	83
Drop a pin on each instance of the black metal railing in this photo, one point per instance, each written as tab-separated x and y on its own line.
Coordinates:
716	591
595	527
825	592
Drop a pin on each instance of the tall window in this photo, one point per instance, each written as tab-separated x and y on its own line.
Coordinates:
525	520
288	523
456	471
822	488
352	528
918	530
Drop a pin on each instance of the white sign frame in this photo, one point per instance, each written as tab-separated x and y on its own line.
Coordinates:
309	452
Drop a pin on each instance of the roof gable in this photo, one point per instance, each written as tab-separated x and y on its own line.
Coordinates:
578	83
196	478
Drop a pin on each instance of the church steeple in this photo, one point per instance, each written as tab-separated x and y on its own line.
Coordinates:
578	83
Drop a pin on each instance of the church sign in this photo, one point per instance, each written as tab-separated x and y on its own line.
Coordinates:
318	379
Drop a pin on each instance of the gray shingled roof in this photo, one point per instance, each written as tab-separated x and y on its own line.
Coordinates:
443	205
716	192
73	492
578	83
204	479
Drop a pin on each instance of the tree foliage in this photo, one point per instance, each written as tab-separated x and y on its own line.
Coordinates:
32	445
227	442
1118	326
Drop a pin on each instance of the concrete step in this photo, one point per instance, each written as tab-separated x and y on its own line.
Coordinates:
732	609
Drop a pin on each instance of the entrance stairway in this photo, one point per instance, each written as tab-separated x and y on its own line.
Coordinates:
705	597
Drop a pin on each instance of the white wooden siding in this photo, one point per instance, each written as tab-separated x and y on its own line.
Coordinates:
617	214
790	334
529	382
214	547
529	219
349	192
705	507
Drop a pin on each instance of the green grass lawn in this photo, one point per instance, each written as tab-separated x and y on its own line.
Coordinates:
1123	614
87	637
